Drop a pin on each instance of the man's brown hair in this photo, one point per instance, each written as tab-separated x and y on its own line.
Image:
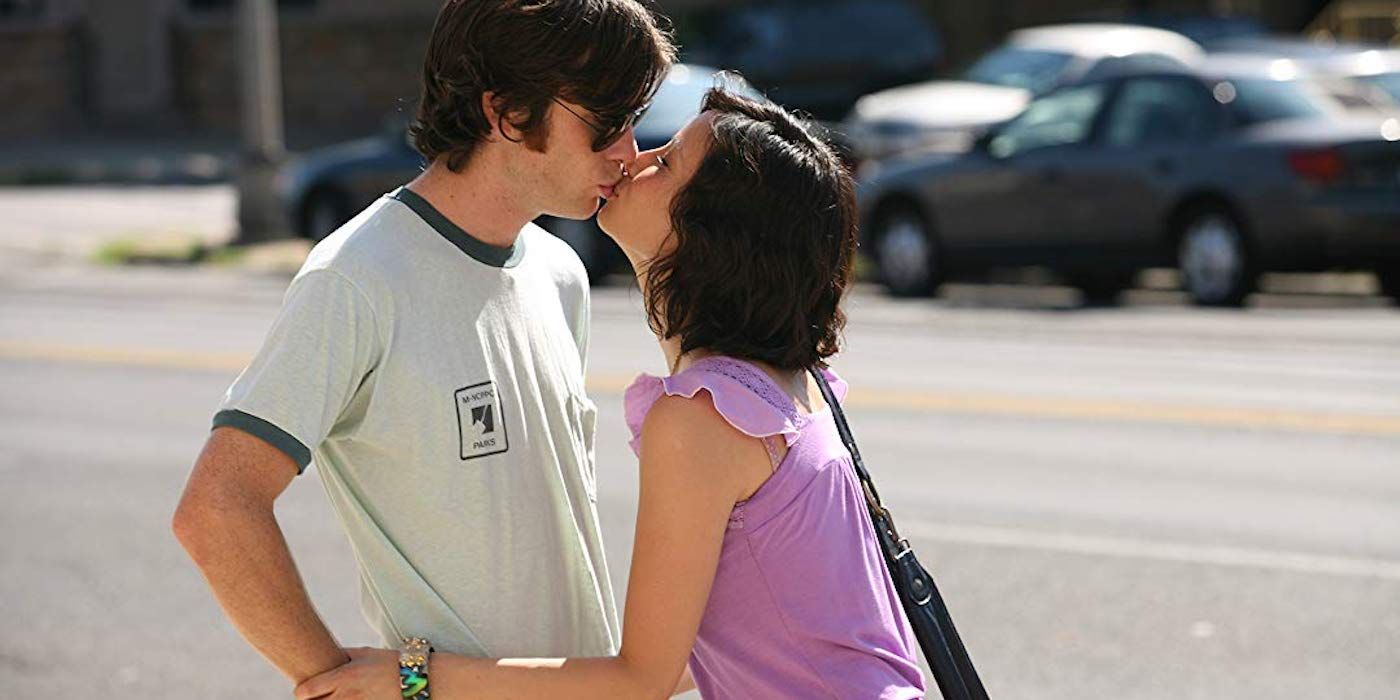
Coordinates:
608	56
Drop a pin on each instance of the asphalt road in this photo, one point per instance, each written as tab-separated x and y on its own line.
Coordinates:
1146	502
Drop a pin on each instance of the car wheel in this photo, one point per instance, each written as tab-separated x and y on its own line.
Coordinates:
1214	259
592	246
325	211
1102	288
906	251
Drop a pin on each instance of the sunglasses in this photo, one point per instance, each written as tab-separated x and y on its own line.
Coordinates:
604	137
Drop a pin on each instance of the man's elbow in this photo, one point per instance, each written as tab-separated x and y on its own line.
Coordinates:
206	517
192	524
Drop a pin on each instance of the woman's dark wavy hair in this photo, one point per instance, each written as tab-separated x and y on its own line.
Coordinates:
608	56
765	241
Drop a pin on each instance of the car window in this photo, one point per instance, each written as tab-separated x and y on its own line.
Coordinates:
1389	83
1258	100
1150	111
1061	118
1030	69
1356	96
679	97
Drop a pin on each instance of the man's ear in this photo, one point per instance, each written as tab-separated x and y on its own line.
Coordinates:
488	108
500	128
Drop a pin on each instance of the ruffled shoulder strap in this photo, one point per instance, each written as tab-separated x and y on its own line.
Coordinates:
743	394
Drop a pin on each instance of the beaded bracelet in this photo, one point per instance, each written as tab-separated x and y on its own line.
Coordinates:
413	668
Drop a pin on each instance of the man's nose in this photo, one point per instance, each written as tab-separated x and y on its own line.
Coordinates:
625	149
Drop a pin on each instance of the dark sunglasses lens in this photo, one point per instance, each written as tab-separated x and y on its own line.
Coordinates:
611	136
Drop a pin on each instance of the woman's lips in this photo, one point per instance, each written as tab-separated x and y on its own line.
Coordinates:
608	191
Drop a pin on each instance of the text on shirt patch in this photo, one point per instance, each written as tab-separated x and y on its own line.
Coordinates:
480	422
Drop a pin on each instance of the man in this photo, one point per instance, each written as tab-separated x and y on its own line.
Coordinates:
430	355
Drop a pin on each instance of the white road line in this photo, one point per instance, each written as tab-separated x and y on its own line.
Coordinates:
1128	548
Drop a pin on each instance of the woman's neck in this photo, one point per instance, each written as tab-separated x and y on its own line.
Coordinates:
795	383
677	361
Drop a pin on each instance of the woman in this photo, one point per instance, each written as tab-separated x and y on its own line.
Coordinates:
754	557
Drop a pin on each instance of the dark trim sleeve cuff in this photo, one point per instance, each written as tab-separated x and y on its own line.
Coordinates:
268	432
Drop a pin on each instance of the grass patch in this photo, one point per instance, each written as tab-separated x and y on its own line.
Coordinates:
152	250
226	256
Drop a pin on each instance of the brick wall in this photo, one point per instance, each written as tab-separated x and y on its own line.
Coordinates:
41	83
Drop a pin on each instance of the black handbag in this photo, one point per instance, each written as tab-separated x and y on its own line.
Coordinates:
928	615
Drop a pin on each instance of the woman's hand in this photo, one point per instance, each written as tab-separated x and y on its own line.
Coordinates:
372	674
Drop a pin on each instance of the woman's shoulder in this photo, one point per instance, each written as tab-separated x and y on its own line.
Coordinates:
738	392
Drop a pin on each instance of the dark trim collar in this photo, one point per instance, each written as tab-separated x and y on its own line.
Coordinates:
482	252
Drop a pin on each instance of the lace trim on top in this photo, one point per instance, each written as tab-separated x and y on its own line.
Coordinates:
759	409
757	381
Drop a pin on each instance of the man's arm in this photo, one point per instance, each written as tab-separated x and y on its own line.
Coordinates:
225	521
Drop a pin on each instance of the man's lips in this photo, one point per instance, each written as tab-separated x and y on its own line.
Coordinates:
607	191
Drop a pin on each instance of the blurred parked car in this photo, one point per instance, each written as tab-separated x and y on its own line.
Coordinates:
820	55
325	188
1225	171
943	115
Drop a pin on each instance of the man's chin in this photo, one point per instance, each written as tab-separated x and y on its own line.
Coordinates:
588	210
583	211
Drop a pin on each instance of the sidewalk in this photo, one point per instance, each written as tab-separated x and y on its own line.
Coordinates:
151	160
178	225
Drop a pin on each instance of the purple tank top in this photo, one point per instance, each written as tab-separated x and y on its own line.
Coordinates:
802	604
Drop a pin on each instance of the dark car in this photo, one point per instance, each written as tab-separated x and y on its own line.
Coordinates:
820	55
942	115
1224	171
325	188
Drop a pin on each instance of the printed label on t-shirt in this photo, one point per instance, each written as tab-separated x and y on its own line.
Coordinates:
480	422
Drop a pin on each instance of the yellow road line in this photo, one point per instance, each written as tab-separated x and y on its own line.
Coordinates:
1096	409
127	357
920	401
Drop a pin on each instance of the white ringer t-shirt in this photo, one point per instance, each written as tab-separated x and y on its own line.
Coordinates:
438	384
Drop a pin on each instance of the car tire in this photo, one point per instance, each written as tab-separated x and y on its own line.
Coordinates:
1102	288
593	247
1213	255
907	252
325	211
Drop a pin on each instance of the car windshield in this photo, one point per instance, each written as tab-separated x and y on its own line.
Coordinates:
1031	69
679	97
1258	100
1062	118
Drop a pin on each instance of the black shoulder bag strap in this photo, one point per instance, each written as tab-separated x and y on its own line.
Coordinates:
924	606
